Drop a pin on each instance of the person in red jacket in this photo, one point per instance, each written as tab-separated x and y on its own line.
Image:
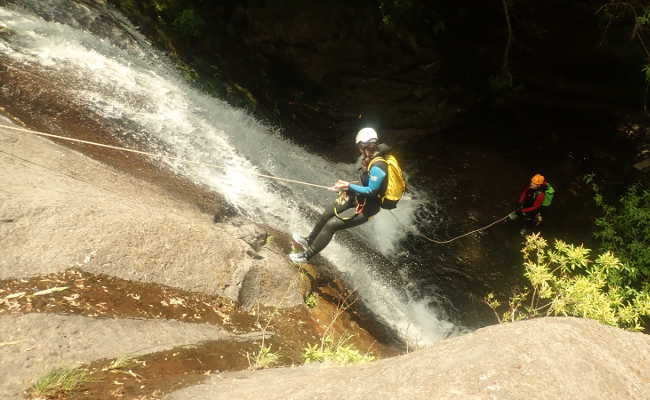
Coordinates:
530	202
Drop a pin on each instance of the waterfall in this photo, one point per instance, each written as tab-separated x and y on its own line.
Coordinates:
107	67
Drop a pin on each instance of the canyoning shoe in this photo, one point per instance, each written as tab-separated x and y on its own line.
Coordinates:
298	258
300	240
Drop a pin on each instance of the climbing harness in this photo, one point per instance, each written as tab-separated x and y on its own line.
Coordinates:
14	128
456	237
343	198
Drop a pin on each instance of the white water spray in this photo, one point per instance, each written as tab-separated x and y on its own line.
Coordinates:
133	85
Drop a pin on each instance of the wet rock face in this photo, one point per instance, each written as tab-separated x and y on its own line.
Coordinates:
319	39
151	273
317	69
547	358
115	224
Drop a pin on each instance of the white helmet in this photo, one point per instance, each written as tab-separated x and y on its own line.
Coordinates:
366	135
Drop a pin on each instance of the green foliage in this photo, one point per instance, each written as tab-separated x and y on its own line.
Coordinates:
339	352
311	300
181	16
247	95
189	23
564	280
644	17
269	240
188	71
624	229
60	380
263	358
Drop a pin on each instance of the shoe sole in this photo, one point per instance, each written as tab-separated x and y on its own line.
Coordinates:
304	247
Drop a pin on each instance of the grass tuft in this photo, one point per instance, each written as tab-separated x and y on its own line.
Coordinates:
61	380
123	362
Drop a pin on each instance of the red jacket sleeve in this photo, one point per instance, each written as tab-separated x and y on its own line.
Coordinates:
537	204
522	196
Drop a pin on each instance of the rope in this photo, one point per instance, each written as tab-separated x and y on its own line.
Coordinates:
108	146
456	237
28	162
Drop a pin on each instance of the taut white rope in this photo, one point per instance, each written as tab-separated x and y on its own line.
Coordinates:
108	146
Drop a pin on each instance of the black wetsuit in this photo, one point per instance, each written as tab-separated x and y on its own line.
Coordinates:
343	213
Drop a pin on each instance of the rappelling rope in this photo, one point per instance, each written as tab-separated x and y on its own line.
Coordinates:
456	237
108	146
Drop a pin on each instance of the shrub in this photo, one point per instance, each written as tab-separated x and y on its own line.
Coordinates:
339	352
263	358
625	230
562	280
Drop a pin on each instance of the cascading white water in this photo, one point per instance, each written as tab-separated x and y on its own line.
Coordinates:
132	85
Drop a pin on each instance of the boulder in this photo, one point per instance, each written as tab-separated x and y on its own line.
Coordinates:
546	358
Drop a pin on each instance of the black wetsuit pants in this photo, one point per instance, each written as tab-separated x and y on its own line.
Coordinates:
331	222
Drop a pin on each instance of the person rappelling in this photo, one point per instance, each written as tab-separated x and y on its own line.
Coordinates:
533	201
381	185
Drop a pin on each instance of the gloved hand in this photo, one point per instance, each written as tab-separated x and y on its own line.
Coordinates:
341	185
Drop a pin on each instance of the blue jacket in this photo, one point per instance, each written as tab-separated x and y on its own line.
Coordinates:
373	186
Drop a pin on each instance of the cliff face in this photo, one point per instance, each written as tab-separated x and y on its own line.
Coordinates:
62	209
548	358
98	264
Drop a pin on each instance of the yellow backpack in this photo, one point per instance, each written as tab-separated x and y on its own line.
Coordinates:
396	182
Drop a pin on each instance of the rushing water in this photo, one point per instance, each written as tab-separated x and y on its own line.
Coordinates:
100	60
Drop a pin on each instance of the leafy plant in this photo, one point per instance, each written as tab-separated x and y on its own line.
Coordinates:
624	229
60	380
563	280
263	358
311	300
270	240
189	23
339	352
